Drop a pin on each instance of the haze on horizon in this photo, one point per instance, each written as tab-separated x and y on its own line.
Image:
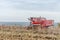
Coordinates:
20	10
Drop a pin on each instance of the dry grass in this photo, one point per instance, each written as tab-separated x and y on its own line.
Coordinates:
21	33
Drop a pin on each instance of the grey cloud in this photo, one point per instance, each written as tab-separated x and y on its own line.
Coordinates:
50	5
12	8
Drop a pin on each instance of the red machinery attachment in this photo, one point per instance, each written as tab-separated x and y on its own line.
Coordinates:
41	21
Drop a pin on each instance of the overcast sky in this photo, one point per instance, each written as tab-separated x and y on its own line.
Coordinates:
20	10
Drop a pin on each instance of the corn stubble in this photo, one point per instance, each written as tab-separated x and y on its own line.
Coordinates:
21	33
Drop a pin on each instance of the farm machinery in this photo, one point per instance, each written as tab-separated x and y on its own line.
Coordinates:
40	22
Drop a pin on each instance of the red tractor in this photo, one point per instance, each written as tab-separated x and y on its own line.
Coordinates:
43	22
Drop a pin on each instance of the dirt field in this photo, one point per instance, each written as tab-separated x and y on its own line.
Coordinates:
20	33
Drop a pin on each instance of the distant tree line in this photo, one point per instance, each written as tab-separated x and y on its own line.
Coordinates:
58	24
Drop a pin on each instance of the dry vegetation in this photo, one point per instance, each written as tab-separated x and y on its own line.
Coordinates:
21	33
